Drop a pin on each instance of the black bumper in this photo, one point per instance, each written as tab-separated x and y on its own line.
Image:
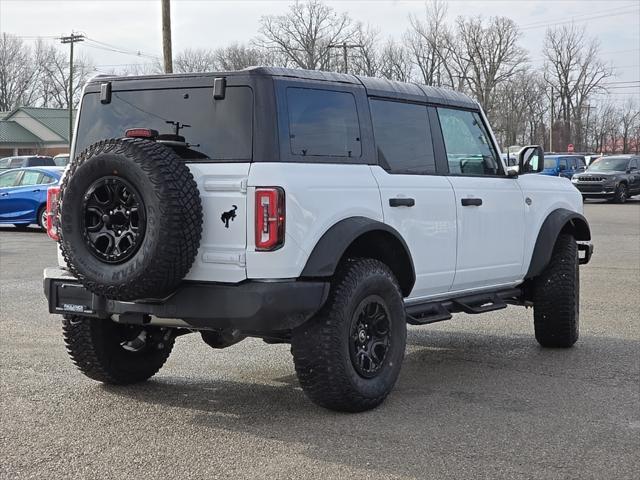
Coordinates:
251	306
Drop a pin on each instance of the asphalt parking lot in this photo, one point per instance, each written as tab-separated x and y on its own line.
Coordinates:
477	397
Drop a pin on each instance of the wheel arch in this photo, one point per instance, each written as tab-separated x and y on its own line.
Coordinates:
558	221
362	237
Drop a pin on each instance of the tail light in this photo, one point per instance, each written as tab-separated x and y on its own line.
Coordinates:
270	218
53	195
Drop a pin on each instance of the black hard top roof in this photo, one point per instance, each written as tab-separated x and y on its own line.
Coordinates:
377	87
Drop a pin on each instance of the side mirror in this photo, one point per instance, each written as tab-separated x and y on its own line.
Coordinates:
531	159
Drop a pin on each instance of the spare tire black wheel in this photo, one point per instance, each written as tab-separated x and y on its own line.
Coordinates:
131	219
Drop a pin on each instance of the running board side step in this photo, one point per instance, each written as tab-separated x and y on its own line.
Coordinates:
431	312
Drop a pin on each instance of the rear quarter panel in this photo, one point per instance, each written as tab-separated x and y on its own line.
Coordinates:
317	197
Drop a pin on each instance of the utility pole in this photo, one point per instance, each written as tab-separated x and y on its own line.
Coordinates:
551	123
71	40
345	46
166	36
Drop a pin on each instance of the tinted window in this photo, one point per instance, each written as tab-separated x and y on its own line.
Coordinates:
218	129
403	137
323	123
580	162
563	163
30	177
550	162
9	179
16	163
469	150
41	162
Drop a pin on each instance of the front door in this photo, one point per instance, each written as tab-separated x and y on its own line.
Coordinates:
490	206
419	204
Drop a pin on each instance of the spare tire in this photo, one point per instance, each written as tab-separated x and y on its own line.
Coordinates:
130	219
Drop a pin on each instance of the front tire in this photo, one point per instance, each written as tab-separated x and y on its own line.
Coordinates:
114	353
349	355
622	193
556	309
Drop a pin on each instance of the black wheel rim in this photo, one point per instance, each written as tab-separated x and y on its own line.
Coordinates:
370	336
113	219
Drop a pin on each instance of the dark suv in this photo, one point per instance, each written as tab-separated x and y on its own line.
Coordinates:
26	161
615	178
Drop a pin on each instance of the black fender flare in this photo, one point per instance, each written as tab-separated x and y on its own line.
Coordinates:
331	247
557	221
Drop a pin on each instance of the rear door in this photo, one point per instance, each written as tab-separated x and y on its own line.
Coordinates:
490	205
218	133
28	195
416	201
8	180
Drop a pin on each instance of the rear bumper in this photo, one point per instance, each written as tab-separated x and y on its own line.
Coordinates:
251	306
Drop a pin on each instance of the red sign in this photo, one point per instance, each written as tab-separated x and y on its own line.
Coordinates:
570	148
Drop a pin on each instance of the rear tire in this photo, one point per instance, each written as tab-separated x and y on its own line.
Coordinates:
556	309
114	353
42	217
349	355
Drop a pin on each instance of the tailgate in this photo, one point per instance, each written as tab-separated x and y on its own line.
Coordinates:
223	190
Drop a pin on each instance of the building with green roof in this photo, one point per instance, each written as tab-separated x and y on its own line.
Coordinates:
31	130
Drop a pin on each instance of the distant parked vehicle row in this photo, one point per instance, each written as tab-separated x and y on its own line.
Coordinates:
615	178
23	195
23	161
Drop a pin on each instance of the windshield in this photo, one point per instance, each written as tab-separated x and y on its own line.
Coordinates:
214	129
609	164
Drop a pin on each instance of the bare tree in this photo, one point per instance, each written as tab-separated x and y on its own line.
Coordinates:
430	42
238	56
365	58
574	70
54	83
629	121
194	60
395	62
491	52
18	71
303	36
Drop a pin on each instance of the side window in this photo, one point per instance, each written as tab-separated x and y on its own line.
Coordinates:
16	163
469	148
403	137
46	179
9	179
580	162
30	177
4	162
323	123
563	164
634	164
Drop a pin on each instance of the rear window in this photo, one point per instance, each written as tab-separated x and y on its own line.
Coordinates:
213	129
323	123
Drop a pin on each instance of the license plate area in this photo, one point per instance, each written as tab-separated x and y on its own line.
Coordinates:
72	298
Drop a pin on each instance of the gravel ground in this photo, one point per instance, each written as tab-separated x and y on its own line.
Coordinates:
477	398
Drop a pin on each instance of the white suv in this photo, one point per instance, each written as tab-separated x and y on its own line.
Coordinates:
317	209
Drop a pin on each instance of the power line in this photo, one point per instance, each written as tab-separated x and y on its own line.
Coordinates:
577	16
582	20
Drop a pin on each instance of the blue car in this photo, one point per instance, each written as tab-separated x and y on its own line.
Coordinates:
563	165
23	195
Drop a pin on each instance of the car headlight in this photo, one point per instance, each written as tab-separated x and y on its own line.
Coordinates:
574	179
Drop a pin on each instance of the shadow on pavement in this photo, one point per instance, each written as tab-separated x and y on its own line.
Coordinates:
458	394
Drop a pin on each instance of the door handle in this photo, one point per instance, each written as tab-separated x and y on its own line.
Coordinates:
471	202
4	194
401	202
36	190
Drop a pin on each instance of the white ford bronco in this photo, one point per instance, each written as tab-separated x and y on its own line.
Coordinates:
317	209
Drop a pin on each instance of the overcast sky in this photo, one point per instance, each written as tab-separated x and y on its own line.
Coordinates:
135	24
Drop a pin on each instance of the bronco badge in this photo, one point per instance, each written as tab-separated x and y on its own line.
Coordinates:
230	215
